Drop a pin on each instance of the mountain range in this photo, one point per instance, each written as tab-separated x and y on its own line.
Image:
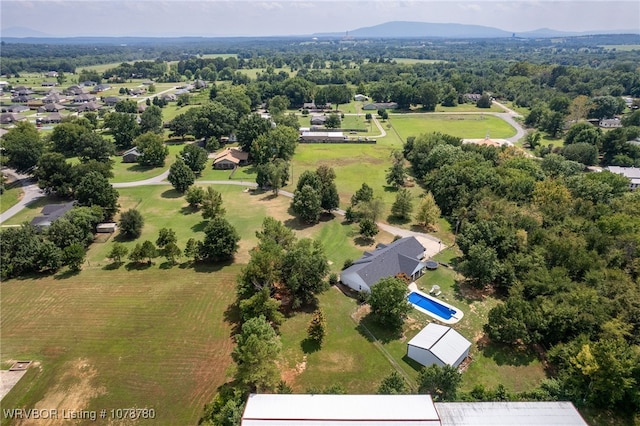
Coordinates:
408	29
393	29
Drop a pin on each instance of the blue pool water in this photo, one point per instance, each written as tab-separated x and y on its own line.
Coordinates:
431	305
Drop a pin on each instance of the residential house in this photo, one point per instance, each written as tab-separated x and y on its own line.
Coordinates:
100	88
54	97
137	91
35	104
52	74
200	84
73	90
22	98
438	344
168	97
88	83
142	107
51	108
403	256
413	410
52	118
318	120
230	158
131	155
379	105
84	97
88	106
361	98
15	108
610	123
111	100
50	213
631	173
49	84
10	118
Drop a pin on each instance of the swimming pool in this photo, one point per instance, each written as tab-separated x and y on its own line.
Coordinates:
433	307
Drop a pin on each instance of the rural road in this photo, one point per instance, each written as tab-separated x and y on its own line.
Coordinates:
32	192
30	189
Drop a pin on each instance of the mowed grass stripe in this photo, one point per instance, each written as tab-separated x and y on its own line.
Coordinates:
157	338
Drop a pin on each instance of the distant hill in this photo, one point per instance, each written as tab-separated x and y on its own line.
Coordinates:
21	32
408	29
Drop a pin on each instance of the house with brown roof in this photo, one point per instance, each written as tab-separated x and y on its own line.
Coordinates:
230	158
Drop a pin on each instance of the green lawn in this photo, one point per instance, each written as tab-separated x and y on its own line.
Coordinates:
131	172
347	358
9	197
468	107
475	126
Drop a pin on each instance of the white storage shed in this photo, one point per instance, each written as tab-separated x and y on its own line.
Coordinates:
438	344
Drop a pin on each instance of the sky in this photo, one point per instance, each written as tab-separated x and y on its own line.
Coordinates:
216	18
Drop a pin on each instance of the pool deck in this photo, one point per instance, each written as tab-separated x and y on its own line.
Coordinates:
413	287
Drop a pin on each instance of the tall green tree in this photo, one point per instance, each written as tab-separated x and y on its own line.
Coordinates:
440	382
388	301
131	223
428	211
194	157
317	329
154	151
95	190
307	204
23	147
212	204
220	241
250	127
256	354
181	176
304	269
403	205
151	120
393	384
123	127
54	174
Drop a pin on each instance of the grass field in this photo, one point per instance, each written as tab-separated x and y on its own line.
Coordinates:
112	339
474	126
9	197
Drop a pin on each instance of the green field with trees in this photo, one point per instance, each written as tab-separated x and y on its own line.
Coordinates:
210	291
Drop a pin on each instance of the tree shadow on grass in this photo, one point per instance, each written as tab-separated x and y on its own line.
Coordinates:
205	267
395	220
372	330
390	188
309	346
233	317
66	274
112	266
122	238
199	227
187	210
171	194
507	355
135	266
167	265
363	241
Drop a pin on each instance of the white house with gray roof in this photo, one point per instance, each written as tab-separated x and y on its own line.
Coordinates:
405	255
631	173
